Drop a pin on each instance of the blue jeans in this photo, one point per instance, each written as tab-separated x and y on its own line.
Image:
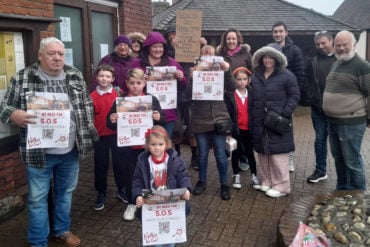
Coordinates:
218	143
169	128
345	146
320	125
64	171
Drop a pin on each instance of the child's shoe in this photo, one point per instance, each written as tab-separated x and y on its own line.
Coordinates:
255	182
236	181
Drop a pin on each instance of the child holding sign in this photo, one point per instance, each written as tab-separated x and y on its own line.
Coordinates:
128	155
160	168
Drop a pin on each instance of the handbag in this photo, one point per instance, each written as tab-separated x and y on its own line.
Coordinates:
223	128
277	123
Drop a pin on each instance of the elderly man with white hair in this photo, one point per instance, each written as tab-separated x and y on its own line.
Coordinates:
346	103
51	75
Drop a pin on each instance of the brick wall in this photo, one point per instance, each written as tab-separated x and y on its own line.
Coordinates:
135	16
12	174
39	8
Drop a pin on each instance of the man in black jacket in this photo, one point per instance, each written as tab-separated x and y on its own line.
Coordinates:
295	60
316	71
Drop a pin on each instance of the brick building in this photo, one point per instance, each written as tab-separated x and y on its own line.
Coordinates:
86	27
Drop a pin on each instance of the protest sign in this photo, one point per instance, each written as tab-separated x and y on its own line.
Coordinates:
208	79
162	84
53	120
163	218
188	33
134	119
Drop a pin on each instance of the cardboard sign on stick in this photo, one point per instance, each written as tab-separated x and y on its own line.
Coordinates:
188	33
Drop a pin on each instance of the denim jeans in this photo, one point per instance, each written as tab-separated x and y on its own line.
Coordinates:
320	125
218	143
345	146
64	171
169	128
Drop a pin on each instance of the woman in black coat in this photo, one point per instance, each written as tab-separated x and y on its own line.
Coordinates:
274	88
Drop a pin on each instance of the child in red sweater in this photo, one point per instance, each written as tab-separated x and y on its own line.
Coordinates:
237	105
103	97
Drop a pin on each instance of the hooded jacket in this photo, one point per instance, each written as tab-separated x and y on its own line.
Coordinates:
143	63
278	93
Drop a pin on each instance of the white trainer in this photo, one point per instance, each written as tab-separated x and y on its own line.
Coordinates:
129	213
236	181
275	193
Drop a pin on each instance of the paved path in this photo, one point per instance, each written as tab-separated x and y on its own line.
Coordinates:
248	219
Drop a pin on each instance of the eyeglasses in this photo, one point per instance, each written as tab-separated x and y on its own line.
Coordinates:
320	32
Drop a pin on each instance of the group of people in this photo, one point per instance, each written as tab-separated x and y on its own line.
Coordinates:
259	90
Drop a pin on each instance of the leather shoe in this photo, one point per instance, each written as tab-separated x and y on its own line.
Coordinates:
225	192
200	188
69	239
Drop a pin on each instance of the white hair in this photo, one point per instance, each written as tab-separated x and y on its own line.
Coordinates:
46	41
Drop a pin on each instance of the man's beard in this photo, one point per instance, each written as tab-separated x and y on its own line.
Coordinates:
345	56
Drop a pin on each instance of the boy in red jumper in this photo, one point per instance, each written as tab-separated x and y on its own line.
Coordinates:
103	97
237	105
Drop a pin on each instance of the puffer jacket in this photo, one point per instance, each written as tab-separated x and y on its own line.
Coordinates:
295	59
278	93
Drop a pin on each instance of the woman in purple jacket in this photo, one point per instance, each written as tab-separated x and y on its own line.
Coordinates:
154	53
120	59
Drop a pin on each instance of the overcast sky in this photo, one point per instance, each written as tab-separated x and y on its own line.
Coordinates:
326	7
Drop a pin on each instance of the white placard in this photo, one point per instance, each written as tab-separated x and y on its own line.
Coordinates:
68	56
163	223
208	79
65	29
162	84
134	119
18	51
104	50
53	120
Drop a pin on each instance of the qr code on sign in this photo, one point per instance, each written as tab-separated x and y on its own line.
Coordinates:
164	227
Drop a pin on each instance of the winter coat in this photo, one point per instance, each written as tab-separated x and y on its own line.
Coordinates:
241	58
295	59
205	113
121	65
177	175
313	87
278	93
143	63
